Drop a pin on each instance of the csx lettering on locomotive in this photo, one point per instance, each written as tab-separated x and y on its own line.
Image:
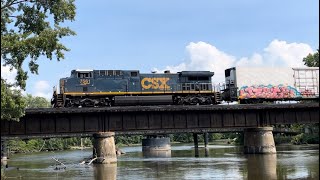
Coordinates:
155	83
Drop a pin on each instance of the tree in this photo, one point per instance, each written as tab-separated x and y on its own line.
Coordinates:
30	29
36	102
12	102
312	60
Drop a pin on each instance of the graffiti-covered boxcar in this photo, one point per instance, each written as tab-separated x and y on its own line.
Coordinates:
130	87
248	84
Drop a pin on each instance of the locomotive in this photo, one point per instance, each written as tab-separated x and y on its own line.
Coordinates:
96	88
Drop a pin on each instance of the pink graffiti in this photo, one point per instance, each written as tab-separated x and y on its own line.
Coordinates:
268	92
308	93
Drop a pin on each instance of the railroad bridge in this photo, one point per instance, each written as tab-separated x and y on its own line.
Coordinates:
104	123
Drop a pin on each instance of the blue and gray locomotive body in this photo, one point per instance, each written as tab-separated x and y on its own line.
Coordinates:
130	87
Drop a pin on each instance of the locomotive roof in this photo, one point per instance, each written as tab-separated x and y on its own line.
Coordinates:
83	70
196	73
182	72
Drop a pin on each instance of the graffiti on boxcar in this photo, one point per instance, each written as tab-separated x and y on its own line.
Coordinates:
269	92
308	93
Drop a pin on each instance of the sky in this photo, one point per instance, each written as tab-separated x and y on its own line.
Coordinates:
181	35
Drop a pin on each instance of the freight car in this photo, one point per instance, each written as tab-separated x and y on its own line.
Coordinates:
256	85
91	88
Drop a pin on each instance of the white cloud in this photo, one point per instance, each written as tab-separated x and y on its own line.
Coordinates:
281	53
204	56
255	60
8	74
42	89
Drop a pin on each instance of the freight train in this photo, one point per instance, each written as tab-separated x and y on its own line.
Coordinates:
91	88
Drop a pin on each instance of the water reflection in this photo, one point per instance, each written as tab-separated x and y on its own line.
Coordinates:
196	152
223	162
206	152
156	154
262	166
105	171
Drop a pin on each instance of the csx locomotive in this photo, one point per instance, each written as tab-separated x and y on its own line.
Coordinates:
91	88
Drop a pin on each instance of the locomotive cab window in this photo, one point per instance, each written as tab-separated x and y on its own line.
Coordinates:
196	78
102	73
117	73
192	78
227	72
134	74
84	74
203	78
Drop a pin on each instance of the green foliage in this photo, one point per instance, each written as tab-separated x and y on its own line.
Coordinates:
184	138
128	140
282	139
53	144
233	138
3	175
309	134
298	127
312	60
36	102
17	146
30	29
305	139
12	102
215	136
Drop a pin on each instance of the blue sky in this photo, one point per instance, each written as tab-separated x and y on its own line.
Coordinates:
182	35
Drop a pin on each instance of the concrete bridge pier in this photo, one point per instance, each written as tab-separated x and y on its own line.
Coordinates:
104	148
156	146
259	140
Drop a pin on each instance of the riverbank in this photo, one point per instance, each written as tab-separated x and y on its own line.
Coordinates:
80	147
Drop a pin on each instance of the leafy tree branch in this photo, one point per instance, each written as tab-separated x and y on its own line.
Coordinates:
30	29
312	60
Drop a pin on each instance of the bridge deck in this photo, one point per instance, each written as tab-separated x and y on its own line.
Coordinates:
63	122
168	108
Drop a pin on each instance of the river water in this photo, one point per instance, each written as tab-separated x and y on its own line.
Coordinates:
219	162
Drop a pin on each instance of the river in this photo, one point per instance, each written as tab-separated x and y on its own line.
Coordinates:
219	162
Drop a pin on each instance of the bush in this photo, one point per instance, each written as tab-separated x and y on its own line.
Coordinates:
282	139
305	139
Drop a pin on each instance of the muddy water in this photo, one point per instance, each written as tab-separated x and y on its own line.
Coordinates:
219	162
